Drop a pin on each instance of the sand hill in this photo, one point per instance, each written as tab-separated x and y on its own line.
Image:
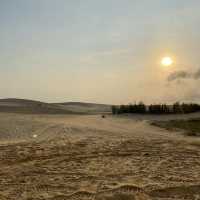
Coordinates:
37	107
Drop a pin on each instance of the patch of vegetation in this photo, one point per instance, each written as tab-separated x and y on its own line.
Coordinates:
141	108
191	127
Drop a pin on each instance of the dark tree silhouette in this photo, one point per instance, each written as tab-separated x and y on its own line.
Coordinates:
141	108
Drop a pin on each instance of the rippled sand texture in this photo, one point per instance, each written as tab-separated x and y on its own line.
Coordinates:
68	157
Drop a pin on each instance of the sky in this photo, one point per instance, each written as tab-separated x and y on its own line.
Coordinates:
106	51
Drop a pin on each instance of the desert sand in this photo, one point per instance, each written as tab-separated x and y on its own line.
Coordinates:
87	157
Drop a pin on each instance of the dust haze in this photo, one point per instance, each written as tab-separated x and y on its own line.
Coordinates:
99	100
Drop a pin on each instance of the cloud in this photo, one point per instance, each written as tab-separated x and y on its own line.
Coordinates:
197	74
95	57
186	87
178	75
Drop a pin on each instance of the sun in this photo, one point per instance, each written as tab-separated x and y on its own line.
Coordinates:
166	61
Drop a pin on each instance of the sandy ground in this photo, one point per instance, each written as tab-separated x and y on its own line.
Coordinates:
67	157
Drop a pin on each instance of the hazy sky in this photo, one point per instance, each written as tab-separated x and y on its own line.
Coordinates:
105	51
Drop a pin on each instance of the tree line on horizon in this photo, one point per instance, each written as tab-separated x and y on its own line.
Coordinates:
141	108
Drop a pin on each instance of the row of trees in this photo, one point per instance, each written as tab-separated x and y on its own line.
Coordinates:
141	108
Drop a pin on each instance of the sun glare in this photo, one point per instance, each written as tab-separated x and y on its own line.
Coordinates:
166	61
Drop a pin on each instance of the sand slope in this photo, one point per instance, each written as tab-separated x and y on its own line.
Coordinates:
85	107
37	107
87	157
